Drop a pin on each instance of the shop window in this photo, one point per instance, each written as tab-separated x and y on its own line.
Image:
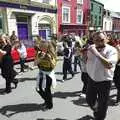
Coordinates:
66	14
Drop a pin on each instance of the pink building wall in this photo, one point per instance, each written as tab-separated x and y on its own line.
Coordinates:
73	13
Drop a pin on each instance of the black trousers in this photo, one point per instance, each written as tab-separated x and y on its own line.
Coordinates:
46	94
67	66
98	92
22	64
76	62
116	77
84	78
116	80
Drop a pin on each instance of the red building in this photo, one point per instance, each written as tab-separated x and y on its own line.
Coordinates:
73	16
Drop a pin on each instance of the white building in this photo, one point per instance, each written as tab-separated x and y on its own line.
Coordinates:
30	18
107	21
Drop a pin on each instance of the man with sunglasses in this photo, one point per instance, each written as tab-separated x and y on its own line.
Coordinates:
101	63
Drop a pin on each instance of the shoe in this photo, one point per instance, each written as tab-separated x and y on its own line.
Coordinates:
73	75
63	80
43	105
15	82
83	95
47	108
8	91
37	90
30	68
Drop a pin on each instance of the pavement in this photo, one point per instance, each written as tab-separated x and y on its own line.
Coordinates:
23	103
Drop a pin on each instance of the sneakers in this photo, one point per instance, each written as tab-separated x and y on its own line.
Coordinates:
83	95
73	75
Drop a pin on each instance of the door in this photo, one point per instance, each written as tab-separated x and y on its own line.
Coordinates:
22	31
42	33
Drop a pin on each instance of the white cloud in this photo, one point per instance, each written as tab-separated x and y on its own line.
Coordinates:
111	4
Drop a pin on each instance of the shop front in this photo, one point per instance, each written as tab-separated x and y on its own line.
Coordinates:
76	29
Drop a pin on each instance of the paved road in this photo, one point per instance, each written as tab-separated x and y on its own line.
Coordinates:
24	103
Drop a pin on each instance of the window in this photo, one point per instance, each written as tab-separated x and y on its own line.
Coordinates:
91	6
91	19
80	1
0	22
22	19
46	1
100	10
100	20
66	14
105	27
79	16
95	19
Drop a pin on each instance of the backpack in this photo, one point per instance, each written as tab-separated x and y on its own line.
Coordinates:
46	56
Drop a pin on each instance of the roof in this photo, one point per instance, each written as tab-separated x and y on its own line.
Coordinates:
115	14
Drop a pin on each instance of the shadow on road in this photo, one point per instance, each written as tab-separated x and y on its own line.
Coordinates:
80	102
2	91
64	95
26	79
87	117
11	110
111	101
52	119
59	73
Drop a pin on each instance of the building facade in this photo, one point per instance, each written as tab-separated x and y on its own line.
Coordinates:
71	16
116	24
107	21
96	15
30	17
3	21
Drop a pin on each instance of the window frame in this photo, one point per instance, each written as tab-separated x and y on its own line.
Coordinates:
64	21
79	11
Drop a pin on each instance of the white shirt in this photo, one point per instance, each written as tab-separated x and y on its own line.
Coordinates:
96	69
22	51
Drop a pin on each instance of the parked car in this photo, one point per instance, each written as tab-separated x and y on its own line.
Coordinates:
30	55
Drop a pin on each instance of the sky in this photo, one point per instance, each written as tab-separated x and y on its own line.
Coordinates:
113	5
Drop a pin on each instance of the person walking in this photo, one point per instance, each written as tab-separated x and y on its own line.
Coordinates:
7	70
23	55
13	38
46	60
67	63
77	56
101	61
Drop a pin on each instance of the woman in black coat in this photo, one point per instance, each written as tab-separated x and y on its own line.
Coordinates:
7	70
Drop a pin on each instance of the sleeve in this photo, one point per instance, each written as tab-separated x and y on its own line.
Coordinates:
112	56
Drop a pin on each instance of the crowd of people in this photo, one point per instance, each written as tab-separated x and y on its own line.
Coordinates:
97	58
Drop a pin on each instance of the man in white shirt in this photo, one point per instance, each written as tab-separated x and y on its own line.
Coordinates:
100	66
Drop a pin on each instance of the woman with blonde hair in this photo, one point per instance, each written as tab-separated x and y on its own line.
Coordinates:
7	70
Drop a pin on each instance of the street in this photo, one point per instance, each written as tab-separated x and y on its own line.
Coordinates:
23	103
